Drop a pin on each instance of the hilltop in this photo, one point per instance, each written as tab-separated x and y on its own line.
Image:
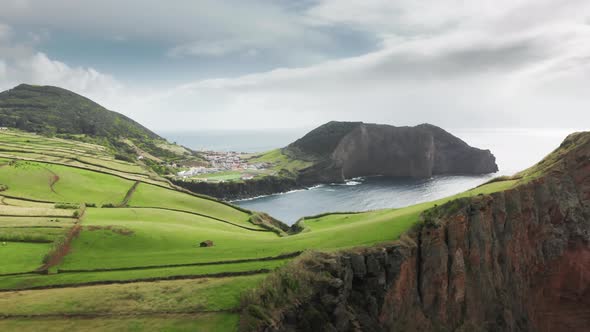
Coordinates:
53	111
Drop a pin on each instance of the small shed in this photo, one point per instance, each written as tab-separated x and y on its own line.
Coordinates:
207	243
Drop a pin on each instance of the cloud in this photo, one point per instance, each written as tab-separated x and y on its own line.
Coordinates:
453	63
198	28
20	63
469	67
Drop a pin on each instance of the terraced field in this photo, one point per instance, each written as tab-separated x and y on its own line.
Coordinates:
88	242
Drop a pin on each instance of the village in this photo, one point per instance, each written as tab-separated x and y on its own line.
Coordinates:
223	162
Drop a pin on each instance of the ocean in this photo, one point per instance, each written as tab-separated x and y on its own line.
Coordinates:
515	150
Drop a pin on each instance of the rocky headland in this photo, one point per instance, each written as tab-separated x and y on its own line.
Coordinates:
337	151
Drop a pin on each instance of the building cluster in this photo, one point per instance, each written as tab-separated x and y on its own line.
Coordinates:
221	162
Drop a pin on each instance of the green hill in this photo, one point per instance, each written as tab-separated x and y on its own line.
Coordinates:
53	111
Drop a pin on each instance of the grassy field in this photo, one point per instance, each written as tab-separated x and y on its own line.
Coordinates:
280	161
208	322
18	257
149	237
174	296
58	183
32	280
134	251
152	196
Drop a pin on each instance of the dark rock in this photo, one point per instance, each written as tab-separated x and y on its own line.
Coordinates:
343	150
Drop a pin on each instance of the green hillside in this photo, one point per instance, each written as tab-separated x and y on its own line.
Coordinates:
53	111
112	246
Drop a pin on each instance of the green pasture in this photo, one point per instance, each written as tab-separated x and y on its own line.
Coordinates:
151	237
30	234
174	296
32	180
20	257
72	278
24	221
280	161
151	196
206	322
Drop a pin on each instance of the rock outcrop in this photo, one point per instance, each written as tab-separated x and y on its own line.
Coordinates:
343	150
517	260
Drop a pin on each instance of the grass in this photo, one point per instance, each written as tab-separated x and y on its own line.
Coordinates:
35	235
280	161
162	237
151	196
20	257
32	280
9	222
222	176
174	296
58	183
208	322
9	210
179	305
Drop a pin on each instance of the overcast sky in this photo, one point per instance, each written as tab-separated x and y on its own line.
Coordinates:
196	64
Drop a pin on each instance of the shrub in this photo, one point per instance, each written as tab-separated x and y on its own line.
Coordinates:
108	205
67	206
90	204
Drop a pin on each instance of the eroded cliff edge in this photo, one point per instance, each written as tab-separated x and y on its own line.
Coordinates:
517	260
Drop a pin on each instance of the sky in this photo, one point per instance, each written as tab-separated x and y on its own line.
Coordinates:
189	65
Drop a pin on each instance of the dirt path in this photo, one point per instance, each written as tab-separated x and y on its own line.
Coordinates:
129	194
55	256
53	179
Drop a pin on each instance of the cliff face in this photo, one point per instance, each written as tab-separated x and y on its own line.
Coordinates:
517	260
347	150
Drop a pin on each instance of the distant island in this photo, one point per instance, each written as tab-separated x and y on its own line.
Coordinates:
337	151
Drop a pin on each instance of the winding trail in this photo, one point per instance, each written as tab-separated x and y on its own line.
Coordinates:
53	179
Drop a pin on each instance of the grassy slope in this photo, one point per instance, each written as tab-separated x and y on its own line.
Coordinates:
208	322
161	237
135	237
152	196
280	161
22	257
175	296
33	180
189	305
